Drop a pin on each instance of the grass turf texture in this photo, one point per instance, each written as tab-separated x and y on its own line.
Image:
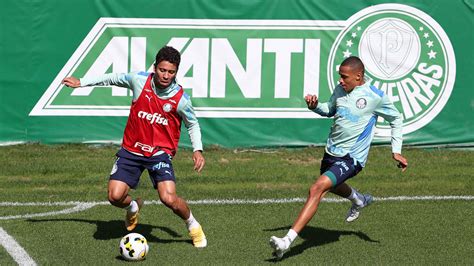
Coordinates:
407	232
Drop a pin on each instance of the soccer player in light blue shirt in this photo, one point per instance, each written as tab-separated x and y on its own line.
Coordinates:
355	106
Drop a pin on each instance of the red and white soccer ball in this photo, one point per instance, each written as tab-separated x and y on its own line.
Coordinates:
133	247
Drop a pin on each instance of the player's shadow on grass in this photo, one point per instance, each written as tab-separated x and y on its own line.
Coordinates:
107	230
317	236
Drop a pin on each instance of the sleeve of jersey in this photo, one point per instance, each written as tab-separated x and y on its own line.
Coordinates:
116	79
327	109
186	111
390	113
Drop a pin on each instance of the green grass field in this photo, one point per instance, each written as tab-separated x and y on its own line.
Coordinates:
398	232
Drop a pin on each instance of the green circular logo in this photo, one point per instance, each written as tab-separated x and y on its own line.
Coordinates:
406	54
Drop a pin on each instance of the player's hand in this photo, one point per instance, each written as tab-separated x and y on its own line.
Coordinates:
199	161
72	82
402	162
311	101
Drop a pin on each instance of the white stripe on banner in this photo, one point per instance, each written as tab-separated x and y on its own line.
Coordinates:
14	249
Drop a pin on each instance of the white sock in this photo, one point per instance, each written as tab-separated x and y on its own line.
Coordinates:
291	235
191	222
354	197
132	208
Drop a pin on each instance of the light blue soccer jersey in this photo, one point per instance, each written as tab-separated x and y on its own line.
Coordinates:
136	81
355	115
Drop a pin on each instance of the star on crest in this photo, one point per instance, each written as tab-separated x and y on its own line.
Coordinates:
349	43
347	53
354	34
421	28
429	44
426	35
432	54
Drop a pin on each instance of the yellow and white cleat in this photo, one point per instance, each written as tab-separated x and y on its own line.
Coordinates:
131	219
198	237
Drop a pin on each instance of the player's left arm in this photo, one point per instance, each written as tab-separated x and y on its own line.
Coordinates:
389	112
186	111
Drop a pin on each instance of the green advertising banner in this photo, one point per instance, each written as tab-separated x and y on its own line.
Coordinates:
246	64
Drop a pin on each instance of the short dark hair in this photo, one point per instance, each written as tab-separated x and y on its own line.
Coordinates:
168	53
355	63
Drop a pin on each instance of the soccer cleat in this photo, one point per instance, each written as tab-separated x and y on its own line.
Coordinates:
354	211
131	219
198	237
280	246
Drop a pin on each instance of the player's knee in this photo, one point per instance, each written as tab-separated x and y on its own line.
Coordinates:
115	198
314	191
317	189
170	201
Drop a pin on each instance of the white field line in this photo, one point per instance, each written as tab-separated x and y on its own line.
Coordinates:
79	206
14	249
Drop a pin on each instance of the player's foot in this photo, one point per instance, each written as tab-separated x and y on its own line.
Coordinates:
198	237
131	219
280	246
354	211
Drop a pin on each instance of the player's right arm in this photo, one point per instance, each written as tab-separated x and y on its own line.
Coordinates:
327	109
116	79
72	82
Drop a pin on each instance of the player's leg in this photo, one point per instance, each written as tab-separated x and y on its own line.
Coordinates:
334	172
342	190
317	191
118	193
167	192
161	173
358	200
125	175
119	197
346	191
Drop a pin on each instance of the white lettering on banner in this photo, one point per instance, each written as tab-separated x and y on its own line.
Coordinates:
143	147
312	48
283	48
195	56
137	57
153	118
248	79
414	89
115	54
112	56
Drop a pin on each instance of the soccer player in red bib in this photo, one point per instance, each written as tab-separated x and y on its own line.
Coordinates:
151	138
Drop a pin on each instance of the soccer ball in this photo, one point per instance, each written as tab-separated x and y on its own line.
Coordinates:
133	247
